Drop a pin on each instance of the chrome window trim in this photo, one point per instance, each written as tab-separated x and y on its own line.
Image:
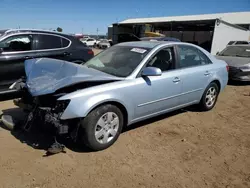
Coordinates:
34	33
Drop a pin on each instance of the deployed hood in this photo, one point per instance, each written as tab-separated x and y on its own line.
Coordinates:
45	75
234	61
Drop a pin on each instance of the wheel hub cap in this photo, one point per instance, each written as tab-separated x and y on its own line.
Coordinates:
211	96
106	127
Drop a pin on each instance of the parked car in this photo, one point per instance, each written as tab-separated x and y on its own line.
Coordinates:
160	39
18	45
89	41
237	42
238	59
124	37
129	37
103	44
127	83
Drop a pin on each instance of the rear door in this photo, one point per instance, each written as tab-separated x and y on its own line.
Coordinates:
195	69
51	46
15	50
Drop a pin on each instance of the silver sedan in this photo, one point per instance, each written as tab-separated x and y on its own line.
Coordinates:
124	84
238	59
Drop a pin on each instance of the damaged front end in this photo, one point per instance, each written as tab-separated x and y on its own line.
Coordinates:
46	81
43	115
45	112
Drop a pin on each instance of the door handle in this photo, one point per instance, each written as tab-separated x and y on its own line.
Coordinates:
27	57
176	80
66	53
207	73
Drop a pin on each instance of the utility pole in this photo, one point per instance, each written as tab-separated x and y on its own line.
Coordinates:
97	32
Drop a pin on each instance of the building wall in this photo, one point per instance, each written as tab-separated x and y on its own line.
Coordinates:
110	32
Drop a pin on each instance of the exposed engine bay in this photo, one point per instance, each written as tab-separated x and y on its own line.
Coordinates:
46	82
43	112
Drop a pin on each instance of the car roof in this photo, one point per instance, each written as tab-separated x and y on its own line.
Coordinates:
145	44
11	31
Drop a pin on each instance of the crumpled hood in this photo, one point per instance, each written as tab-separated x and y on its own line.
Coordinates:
45	75
234	61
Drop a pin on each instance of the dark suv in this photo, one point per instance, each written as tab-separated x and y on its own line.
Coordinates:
17	45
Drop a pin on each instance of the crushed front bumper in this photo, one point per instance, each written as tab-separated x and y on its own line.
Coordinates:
47	119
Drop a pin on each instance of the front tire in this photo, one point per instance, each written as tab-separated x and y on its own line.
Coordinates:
209	97
101	127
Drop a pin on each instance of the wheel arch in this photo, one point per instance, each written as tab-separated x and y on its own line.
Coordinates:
118	104
216	81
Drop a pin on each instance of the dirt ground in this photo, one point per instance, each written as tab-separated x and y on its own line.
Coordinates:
184	149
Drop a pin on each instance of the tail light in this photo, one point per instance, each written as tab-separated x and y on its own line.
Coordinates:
227	68
90	52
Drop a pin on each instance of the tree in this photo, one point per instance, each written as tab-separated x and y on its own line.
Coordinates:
59	29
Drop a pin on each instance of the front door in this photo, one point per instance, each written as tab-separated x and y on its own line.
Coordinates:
15	50
158	94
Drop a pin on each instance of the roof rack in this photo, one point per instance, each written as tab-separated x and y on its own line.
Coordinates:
27	30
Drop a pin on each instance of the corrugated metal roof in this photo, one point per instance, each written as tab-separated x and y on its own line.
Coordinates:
233	17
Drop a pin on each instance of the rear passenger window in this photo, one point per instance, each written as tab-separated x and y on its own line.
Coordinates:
65	42
49	42
190	56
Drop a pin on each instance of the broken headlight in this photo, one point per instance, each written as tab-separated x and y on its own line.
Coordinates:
61	105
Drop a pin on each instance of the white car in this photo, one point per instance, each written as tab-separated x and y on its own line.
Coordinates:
103	44
89	41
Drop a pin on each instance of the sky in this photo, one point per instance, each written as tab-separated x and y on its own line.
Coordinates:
77	16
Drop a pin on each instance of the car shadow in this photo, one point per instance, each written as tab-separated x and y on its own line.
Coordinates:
238	83
37	139
41	141
152	120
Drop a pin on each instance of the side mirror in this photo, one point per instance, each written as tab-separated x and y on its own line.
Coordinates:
217	53
151	71
1	50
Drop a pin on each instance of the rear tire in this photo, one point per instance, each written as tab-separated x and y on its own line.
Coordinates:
101	127
209	97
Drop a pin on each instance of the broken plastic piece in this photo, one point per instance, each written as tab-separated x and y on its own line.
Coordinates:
8	121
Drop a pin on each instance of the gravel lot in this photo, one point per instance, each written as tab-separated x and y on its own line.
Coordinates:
182	149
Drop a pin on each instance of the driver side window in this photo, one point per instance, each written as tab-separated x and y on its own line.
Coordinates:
17	43
164	59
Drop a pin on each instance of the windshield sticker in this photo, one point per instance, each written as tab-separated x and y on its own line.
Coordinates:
139	50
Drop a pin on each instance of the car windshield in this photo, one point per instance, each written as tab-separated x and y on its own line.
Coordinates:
119	61
104	40
237	51
230	43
